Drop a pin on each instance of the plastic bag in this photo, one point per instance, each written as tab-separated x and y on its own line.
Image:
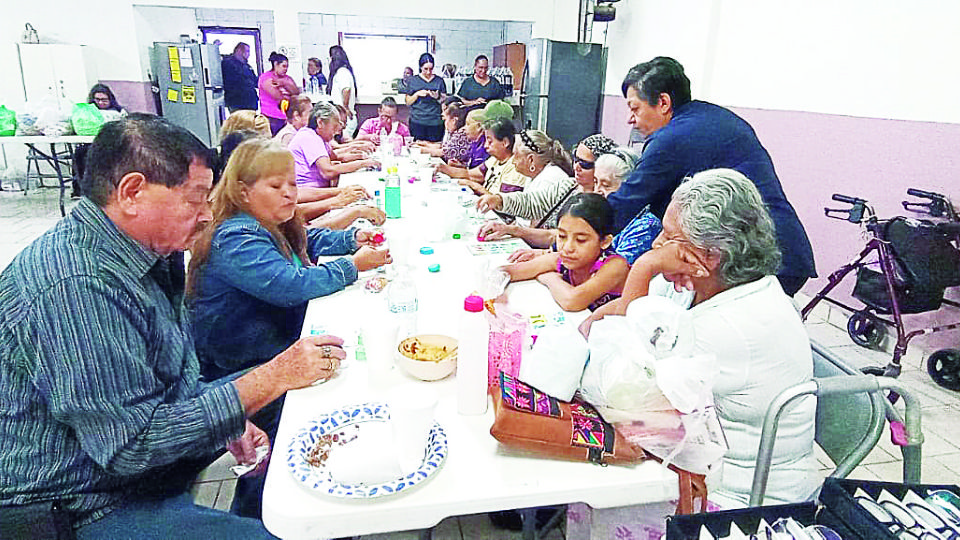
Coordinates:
644	379
86	119
27	122
619	379
555	363
12	179
52	121
505	343
8	122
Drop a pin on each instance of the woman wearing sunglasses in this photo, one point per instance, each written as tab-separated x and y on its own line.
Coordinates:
541	232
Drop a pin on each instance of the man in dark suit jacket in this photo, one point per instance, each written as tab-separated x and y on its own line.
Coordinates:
685	137
239	80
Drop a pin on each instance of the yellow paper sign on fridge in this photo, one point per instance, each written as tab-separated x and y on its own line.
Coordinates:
174	56
189	94
172	95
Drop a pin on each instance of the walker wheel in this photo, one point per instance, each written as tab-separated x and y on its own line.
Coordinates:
865	329
944	368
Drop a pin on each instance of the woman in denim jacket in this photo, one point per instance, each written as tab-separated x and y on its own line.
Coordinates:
253	270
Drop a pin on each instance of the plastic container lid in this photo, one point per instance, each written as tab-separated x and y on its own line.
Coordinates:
434	268
456	236
473	303
426	250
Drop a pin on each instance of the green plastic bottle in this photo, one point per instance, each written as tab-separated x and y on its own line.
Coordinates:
392	193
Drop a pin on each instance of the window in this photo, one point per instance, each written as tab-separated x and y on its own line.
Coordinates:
380	57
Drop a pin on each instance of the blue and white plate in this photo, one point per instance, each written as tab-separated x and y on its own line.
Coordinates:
319	479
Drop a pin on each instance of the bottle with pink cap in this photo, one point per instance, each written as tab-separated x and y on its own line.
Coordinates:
472	358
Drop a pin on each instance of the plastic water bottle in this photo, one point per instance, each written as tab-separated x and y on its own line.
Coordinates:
392	195
464	198
378	199
383	141
402	302
472	358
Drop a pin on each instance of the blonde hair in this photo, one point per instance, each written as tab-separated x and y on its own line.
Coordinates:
253	160
245	119
476	115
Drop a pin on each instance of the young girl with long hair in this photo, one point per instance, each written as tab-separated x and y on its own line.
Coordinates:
584	273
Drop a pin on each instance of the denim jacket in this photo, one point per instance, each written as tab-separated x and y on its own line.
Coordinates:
250	300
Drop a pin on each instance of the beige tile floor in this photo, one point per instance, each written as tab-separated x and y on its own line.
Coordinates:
25	217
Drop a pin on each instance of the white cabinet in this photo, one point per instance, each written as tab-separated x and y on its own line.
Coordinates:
62	71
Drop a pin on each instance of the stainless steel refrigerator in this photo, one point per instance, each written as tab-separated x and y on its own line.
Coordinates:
189	86
562	92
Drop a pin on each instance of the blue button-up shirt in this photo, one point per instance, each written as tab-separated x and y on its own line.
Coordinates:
99	390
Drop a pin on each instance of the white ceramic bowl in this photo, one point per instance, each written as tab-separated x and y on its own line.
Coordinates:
428	370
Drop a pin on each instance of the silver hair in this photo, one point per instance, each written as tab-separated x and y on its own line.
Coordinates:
721	210
620	162
322	112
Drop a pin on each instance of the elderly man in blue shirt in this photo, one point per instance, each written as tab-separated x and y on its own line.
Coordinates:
102	416
684	137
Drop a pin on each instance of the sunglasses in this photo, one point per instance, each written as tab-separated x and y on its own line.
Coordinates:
947	501
790	529
897	519
584	164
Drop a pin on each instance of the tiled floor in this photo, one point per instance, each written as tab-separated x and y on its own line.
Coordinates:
25	217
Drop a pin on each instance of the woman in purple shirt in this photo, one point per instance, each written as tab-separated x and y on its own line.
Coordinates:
312	155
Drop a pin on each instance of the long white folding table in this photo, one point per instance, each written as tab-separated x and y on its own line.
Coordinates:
52	157
479	475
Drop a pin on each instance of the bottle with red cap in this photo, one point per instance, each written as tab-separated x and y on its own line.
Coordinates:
472	358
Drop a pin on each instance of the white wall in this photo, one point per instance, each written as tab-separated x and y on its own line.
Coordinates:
871	58
111	29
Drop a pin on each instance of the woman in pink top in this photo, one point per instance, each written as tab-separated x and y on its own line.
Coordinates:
315	161
275	85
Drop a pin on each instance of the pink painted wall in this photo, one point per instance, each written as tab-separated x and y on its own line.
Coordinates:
134	96
817	155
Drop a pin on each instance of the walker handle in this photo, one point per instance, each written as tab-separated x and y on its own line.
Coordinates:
847	199
914	192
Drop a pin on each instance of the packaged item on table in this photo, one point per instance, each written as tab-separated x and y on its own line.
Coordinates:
506	340
8	122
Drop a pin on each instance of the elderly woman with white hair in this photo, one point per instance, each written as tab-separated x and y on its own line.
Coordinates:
719	242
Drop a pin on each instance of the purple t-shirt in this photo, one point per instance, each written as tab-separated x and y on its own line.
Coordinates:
477	153
307	147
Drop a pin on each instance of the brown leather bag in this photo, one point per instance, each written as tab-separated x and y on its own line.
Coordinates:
530	420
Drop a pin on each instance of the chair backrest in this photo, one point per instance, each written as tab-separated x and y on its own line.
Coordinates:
849	420
848	426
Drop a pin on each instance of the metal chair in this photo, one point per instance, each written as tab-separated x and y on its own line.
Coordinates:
851	413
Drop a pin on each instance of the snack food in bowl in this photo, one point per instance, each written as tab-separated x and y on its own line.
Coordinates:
428	357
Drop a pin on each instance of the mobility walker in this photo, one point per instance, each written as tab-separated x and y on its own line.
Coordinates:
904	269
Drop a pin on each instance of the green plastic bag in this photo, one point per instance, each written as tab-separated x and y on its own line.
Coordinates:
86	119
8	122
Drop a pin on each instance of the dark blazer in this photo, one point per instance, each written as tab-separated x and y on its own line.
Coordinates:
702	136
239	84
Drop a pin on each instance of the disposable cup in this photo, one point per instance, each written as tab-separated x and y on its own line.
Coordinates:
412	409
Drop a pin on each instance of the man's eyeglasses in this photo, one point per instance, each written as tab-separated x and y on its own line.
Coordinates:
583	163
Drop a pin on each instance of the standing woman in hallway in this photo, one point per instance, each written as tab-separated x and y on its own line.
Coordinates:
343	87
424	92
275	86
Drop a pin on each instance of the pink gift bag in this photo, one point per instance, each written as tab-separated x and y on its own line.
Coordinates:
507	331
